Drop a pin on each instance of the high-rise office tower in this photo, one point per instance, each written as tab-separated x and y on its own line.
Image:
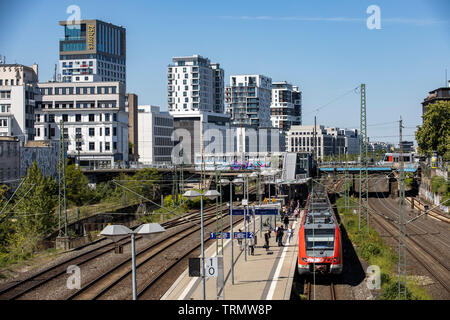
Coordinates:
92	50
248	100
195	84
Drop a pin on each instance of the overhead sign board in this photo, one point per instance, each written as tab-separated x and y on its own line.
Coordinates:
219	235
238	212
268	211
243	235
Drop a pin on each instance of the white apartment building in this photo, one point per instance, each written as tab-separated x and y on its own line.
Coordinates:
329	141
195	84
301	139
94	116
286	107
17	100
155	130
248	100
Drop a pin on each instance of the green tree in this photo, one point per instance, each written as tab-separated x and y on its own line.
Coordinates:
77	189
434	134
34	215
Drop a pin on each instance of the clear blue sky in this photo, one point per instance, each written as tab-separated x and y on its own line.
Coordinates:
325	48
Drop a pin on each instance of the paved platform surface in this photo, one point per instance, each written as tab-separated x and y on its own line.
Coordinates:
262	277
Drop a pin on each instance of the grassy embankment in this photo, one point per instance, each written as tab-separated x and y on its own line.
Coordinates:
372	248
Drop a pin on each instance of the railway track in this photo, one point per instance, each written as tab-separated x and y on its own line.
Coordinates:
322	289
112	279
36	280
437	268
433	213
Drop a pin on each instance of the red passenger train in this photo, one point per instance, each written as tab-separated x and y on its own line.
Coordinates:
320	245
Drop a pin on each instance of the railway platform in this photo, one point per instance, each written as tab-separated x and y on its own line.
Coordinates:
264	276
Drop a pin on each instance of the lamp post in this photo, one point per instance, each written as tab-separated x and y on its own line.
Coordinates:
254	175
210	194
245	195
117	231
235	181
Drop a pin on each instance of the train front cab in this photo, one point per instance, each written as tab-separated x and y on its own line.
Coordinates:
330	262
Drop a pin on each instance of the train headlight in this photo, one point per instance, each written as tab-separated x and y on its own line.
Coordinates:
305	260
335	259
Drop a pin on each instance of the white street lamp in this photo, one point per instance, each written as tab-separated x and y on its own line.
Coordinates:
235	181
116	231
210	194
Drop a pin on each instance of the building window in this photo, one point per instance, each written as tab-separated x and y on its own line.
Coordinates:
107	146
5	94
91	132
91	117
107	131
65	117
78	117
91	146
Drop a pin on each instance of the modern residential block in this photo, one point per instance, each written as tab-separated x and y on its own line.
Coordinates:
195	84
286	107
248	99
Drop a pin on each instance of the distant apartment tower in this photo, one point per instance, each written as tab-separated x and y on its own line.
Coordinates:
17	100
92	50
195	84
94	116
286	107
155	131
248	100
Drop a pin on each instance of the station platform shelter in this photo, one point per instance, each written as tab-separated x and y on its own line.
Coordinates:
266	275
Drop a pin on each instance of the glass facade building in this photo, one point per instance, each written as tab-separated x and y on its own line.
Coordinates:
92	50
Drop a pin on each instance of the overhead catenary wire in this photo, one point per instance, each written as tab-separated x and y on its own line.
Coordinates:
316	109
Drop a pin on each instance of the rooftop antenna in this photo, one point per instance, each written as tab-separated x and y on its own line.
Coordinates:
54	75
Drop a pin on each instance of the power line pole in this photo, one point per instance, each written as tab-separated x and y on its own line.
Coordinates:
315	147
62	180
363	176
401	226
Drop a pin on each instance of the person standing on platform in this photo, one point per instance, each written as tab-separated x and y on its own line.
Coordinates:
291	233
286	222
280	234
251	246
266	239
239	240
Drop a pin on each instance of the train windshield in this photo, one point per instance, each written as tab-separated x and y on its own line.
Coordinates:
319	239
